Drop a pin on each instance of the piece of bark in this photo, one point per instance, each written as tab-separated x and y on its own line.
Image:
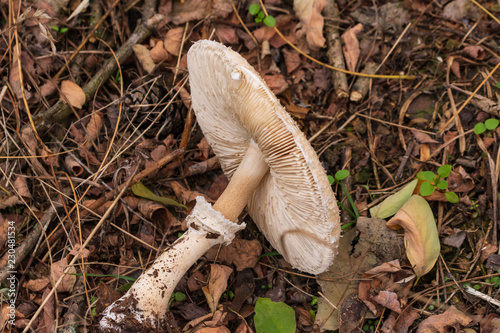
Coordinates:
362	84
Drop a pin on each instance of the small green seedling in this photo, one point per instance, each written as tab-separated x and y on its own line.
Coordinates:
260	16
490	124
59	31
433	181
339	176
177	297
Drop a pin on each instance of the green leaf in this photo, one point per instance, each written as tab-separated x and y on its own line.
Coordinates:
341	174
429	175
271	317
442	184
261	15
420	175
444	171
270	21
54	27
491	123
254	9
124	288
257	19
331	180
142	191
394	202
479	128
452	197
426	189
63	30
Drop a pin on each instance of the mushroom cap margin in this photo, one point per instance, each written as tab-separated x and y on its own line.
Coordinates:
294	206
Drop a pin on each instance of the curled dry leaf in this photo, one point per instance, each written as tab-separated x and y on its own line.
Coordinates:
158	53
21	186
351	46
73	166
217	284
420	233
443	322
474	51
388	299
173	40
68	280
93	128
142	54
73	93
311	22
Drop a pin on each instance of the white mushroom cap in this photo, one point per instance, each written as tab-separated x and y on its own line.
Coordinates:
294	205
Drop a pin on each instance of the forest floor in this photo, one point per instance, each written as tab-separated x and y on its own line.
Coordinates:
101	160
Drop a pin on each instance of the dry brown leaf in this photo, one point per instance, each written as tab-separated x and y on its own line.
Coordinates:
193	10
460	181
68	280
352	314
94	127
74	94
217	284
218	187
311	22
388	299
4	227
187	195
48	323
421	236
228	35
21	186
455	68
196	281
241	252
275	81
292	60
173	40
490	324
142	54
371	282
422	137
204	148
452	318
264	33
37	284
73	166
48	88
158	53
399	323
351	46
219	329
474	51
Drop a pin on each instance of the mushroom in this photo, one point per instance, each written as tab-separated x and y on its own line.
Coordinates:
273	170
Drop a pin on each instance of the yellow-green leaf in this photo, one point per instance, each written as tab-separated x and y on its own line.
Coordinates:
142	191
394	202
421	236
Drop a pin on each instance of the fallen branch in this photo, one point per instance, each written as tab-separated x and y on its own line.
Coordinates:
334	52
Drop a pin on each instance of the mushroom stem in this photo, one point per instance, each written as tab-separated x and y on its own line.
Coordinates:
243	183
146	302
